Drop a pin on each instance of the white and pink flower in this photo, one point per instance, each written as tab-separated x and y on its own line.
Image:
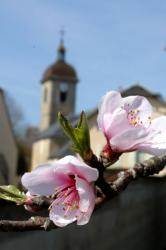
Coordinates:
70	181
127	124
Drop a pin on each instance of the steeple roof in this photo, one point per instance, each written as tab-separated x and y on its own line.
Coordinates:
60	70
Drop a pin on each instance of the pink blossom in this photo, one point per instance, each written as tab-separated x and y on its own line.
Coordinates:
70	181
127	124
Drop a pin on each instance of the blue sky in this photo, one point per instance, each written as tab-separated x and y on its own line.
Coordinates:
111	43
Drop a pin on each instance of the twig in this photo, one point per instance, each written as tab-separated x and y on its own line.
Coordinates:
149	167
101	183
34	223
152	166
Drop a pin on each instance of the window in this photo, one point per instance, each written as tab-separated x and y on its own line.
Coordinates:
63	96
63	91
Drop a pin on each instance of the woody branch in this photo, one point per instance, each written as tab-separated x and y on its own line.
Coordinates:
110	189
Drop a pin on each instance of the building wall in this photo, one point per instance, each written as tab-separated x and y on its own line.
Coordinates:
46	103
8	146
51	103
40	152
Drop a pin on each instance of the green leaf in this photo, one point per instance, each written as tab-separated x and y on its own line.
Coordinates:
68	129
78	135
12	193
82	131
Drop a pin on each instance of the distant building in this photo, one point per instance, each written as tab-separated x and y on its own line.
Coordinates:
8	147
59	94
58	90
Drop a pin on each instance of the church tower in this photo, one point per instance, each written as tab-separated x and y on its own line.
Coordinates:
58	89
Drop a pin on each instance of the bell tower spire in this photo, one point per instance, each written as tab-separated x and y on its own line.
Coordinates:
61	48
58	88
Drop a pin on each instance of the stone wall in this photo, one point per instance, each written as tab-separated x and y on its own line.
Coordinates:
135	220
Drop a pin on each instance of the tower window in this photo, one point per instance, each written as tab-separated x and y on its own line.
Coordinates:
63	91
45	94
63	96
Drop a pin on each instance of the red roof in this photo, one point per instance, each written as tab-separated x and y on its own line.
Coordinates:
60	71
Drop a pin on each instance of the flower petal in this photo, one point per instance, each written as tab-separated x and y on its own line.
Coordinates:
129	139
159	123
154	149
113	126
70	165
83	218
109	103
86	194
156	143
44	180
60	216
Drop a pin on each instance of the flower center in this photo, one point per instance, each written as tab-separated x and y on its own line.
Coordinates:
134	118
68	198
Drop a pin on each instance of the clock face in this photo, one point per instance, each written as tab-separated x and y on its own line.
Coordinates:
64	86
